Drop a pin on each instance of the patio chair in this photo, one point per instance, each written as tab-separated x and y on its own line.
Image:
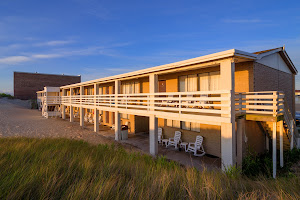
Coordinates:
76	114
90	118
100	119
203	102
160	137
170	103
191	104
196	146
176	140
86	119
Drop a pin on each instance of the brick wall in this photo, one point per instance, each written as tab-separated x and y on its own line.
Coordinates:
27	84
269	79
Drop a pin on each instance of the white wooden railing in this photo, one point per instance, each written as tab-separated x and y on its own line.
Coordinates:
200	102
291	125
52	100
264	103
267	103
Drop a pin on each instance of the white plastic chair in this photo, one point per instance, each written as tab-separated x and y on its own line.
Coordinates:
176	140
160	137
90	118
100	119
170	103
197	146
86	119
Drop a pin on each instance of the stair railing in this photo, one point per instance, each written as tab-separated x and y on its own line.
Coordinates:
290	122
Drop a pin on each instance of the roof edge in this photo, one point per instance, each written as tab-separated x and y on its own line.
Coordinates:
201	59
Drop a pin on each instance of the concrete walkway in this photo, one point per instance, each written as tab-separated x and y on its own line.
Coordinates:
16	120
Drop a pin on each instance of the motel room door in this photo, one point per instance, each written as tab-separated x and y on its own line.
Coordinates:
162	86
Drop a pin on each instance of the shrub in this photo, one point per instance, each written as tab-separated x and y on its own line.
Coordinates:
6	95
262	164
257	164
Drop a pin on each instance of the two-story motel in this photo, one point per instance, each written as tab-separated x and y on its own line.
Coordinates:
236	100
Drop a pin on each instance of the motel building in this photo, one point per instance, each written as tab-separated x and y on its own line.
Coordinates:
234	99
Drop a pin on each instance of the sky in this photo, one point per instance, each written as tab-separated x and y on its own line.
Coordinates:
94	38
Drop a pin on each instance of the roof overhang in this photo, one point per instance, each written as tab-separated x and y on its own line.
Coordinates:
284	56
198	60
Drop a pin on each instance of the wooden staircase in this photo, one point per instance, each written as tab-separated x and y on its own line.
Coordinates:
267	128
289	126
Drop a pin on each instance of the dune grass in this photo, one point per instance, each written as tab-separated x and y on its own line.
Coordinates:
68	169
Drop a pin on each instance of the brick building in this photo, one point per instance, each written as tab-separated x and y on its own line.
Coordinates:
26	84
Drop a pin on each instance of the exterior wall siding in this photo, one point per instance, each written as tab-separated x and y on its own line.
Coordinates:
270	79
244	77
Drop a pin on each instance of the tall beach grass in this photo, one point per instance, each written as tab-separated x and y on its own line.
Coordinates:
68	169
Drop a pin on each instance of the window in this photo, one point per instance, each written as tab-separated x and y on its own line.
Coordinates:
173	123
209	81
129	88
188	84
191	126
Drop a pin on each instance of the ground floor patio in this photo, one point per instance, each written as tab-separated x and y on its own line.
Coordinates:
140	141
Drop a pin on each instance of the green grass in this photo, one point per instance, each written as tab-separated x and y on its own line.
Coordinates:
68	169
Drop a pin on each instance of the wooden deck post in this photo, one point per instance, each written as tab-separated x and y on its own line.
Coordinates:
274	148
96	111
63	107
228	135
153	121
81	110
71	107
117	126
281	142
153	135
117	114
240	140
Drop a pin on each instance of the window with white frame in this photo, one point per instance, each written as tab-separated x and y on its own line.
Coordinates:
129	88
189	83
209	81
173	123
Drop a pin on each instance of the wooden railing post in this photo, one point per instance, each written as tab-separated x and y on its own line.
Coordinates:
179	103
292	133
117	92
240	102
275	104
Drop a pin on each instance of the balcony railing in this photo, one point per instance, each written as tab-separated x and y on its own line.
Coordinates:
200	102
264	103
52	100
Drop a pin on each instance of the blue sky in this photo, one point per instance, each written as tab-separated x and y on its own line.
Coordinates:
101	38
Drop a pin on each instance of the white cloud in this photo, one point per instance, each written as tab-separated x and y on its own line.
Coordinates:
93	50
11	60
42	56
54	43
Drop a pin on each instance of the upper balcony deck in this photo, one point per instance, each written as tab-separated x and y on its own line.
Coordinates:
210	107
